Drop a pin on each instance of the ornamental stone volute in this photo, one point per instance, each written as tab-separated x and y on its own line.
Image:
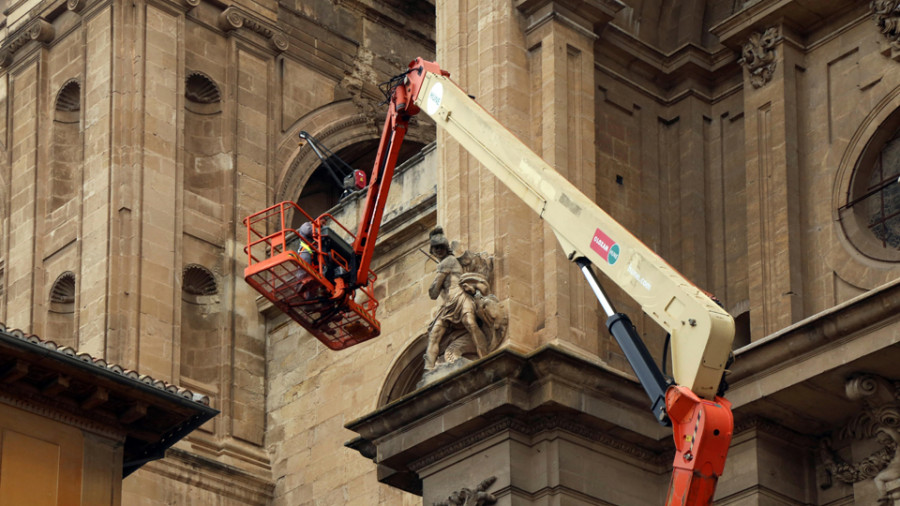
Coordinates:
878	420
887	17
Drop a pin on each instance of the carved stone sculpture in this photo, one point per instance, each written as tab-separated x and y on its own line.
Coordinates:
887	16
470	320
469	497
758	54
879	420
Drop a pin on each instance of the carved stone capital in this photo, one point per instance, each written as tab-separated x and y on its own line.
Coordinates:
39	30
758	55
880	420
233	18
887	16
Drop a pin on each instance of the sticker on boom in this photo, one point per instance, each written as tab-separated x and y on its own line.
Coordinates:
605	247
435	97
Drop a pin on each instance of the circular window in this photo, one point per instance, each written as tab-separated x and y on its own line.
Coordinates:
871	215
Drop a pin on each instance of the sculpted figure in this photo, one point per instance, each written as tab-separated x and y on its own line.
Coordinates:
889	437
469	320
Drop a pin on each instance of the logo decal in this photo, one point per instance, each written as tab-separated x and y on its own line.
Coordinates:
605	247
435	96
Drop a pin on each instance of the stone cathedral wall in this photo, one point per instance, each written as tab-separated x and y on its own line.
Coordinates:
731	137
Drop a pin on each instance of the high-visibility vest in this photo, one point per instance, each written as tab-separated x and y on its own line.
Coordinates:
305	248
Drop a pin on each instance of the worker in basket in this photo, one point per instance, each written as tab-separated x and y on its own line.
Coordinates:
305	286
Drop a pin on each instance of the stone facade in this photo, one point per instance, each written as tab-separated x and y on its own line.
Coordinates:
739	139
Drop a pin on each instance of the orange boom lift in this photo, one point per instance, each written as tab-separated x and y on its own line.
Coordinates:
322	294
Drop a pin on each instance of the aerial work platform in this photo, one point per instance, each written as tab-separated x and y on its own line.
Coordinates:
318	294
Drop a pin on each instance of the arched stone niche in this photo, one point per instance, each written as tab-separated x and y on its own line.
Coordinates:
405	371
338	125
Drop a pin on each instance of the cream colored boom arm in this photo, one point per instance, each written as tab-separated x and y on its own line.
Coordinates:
701	331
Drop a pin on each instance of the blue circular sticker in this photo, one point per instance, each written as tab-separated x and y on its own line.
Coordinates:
613	254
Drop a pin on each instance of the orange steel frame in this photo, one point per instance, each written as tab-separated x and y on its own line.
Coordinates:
326	308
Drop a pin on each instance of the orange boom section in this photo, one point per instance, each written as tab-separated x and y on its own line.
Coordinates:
319	294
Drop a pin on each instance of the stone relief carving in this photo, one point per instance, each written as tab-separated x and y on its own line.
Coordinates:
887	16
758	54
470	321
469	497
879	420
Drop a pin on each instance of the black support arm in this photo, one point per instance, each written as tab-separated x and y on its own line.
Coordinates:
621	328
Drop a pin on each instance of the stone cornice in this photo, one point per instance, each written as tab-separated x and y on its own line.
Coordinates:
762	425
841	321
819	334
586	14
538	424
38	29
734	30
234	18
688	55
225	481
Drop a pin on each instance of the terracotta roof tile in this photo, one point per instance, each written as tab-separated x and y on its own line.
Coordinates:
102	364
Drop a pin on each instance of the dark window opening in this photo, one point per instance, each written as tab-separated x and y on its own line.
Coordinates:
322	191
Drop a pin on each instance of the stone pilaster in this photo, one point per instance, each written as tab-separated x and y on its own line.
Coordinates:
773	61
531	64
560	39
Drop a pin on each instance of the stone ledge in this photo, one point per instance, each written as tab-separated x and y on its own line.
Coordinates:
510	393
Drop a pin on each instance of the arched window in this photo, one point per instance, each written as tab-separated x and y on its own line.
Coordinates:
61	314
871	215
323	191
200	316
66	150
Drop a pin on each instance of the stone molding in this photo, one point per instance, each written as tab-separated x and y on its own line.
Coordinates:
765	426
758	55
532	427
887	16
39	29
233	18
879	419
225	481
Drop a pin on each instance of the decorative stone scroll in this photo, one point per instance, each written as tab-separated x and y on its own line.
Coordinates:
39	30
879	420
470	322
469	497
887	17
76	5
233	18
758	54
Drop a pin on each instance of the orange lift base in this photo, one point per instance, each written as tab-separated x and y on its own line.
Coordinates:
338	323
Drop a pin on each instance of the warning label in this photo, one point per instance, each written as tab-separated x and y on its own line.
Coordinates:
605	247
